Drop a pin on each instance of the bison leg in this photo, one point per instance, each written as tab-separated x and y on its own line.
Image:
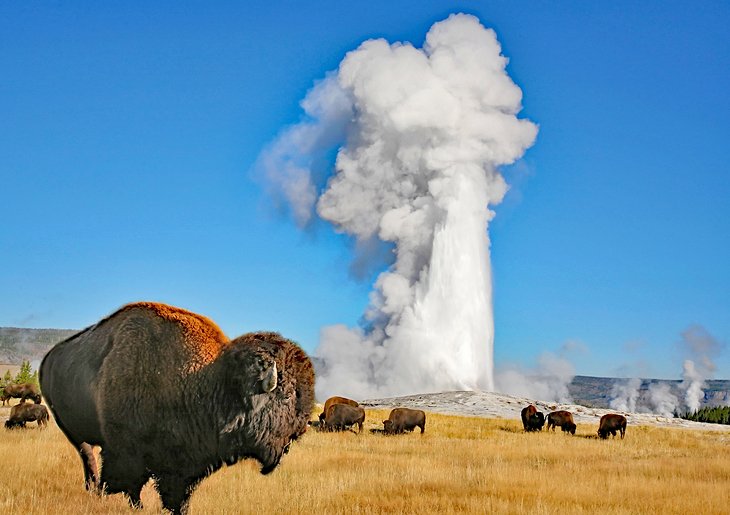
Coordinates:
91	478
123	474
423	427
175	493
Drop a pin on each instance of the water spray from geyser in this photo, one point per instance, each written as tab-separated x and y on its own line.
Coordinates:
420	134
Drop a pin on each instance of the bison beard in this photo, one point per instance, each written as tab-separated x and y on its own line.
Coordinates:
167	396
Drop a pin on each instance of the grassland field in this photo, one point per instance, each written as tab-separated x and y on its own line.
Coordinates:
460	465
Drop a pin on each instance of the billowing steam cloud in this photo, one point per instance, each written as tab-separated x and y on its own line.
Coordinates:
422	132
700	348
547	381
624	395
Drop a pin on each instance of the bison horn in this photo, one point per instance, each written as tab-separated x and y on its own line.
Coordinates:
268	383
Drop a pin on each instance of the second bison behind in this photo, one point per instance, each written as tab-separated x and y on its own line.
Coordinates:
404	419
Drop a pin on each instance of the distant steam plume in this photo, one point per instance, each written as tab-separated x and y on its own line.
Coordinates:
625	394
422	132
701	348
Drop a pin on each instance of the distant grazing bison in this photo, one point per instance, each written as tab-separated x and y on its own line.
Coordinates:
25	412
562	419
404	419
166	395
329	402
532	420
21	391
342	416
610	423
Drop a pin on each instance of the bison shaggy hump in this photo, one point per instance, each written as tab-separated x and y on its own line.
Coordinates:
167	396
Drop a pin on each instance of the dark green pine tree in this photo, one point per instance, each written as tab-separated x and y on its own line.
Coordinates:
26	374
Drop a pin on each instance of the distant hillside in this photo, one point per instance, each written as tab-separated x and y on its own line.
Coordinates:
17	344
596	391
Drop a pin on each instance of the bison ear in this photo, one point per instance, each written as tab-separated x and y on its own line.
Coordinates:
268	382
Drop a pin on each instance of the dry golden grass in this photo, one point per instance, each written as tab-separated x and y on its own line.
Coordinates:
460	465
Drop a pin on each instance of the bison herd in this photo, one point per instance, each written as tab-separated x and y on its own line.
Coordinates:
166	395
533	420
341	413
25	412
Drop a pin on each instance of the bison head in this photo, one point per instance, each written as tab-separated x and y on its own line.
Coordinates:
270	396
388	426
12	424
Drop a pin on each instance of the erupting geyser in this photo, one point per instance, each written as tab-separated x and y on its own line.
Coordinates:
421	133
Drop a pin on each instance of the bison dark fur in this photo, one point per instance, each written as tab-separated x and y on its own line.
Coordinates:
562	419
404	419
24	412
329	402
342	416
536	422
21	391
532	420
166	395
610	423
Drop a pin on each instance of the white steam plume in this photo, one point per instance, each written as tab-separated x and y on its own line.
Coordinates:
426	129
696	343
662	400
701	347
547	381
625	394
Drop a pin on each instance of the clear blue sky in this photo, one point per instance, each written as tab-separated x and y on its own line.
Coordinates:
128	132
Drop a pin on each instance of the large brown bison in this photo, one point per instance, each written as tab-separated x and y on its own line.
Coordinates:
532	420
334	400
404	419
25	412
167	396
563	419
342	416
21	391
610	423
526	413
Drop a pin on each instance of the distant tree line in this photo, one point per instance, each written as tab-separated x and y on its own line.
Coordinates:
716	415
